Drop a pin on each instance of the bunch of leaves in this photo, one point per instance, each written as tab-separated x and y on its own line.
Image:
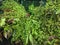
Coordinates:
47	18
36	28
12	8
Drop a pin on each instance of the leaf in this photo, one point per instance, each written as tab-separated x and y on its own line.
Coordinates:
2	22
58	11
31	39
27	40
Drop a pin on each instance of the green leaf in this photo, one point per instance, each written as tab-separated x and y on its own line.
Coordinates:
27	40
31	39
58	11
2	22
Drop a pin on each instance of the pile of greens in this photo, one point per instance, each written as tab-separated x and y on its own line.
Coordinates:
39	26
